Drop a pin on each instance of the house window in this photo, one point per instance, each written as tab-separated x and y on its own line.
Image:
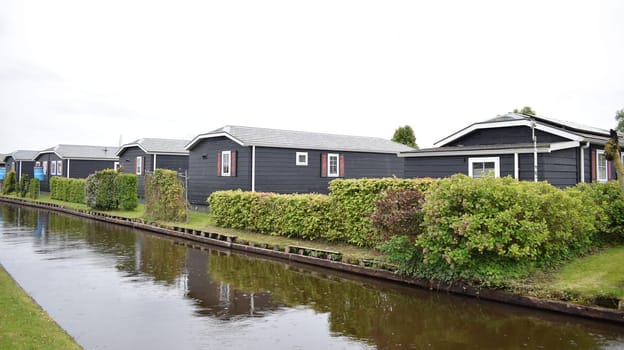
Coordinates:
333	165
37	164
59	167
602	171
139	165
116	166
302	158
45	167
226	160
481	167
52	168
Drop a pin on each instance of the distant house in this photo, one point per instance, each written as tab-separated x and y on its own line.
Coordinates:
74	161
282	161
148	154
22	162
567	153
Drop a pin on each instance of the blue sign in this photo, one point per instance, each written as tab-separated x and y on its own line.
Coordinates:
2	173
39	173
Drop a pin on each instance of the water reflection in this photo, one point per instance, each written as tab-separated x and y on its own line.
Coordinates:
224	292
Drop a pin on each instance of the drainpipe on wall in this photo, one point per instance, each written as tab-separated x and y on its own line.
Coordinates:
534	150
67	169
583	148
154	162
19	174
253	168
516	167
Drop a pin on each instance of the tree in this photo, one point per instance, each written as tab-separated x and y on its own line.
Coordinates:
405	135
526	110
619	117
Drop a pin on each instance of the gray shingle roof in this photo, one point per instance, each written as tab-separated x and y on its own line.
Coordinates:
83	152
22	155
251	136
158	146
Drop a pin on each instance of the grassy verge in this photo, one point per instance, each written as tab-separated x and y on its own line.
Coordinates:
23	324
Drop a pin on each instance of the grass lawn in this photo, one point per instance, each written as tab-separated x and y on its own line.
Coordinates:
23	324
583	279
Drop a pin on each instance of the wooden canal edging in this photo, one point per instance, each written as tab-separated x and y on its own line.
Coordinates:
334	260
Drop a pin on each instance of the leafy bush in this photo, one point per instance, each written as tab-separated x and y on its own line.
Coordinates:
292	215
164	196
492	229
127	189
10	183
353	202
398	213
610	198
33	188
101	191
67	189
23	185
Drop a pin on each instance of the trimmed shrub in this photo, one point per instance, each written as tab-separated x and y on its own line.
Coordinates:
33	188
164	196
399	213
291	215
100	190
353	202
610	198
23	185
10	183
127	189
67	189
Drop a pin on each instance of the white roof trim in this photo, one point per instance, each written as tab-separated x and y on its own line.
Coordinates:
553	147
213	135
128	145
44	152
538	126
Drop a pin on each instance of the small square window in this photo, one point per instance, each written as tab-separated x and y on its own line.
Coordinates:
302	158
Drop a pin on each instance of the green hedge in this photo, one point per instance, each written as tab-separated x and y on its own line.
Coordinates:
291	215
24	184
101	190
67	189
610	198
33	189
10	183
127	189
164	196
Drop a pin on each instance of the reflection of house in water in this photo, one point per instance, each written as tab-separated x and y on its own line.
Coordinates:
217	299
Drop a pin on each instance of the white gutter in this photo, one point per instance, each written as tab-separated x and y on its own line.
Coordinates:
516	167
19	176
583	161
67	168
154	162
253	168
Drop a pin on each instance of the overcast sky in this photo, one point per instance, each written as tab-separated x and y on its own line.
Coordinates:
90	72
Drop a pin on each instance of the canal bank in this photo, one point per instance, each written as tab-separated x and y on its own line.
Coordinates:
334	260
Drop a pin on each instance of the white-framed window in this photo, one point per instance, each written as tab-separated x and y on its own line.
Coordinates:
333	165
116	166
37	164
52	168
139	165
485	166
602	170
59	167
302	158
226	163
45	167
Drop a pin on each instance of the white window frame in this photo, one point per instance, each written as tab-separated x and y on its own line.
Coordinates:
495	160
138	167
298	162
116	166
37	164
59	167
600	152
226	171
329	158
53	168
45	167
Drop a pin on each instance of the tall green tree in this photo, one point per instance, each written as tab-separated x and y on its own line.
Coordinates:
619	117
526	110
405	135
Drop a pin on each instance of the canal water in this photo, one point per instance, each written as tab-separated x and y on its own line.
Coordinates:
117	288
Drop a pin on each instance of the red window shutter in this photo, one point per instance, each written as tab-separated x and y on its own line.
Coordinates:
593	165
341	165
233	163
609	171
324	165
134	165
218	163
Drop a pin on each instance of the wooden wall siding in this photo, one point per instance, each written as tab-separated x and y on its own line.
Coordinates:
80	169
561	167
127	160
587	165
276	169
177	163
48	157
203	178
435	167
509	135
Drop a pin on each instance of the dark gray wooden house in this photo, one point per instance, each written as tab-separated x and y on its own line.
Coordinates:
74	161
566	153
21	161
282	161
148	154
